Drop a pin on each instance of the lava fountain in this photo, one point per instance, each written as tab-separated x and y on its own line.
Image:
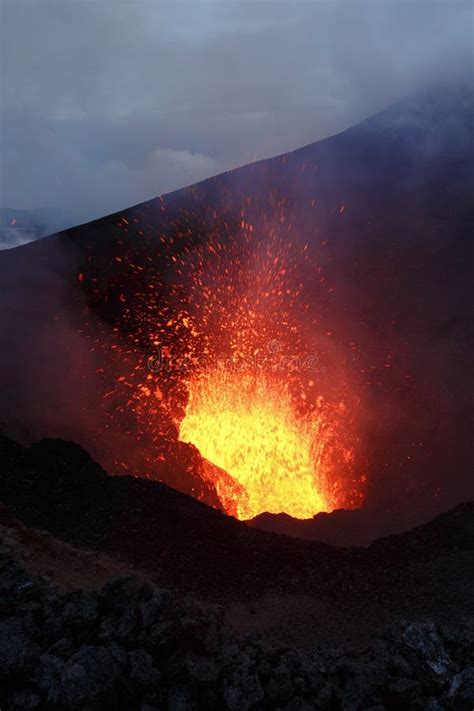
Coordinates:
248	426
254	379
278	445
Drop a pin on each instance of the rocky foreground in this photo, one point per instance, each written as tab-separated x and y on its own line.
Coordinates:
132	645
118	593
304	593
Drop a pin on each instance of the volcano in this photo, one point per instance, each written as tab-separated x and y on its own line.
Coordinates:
291	337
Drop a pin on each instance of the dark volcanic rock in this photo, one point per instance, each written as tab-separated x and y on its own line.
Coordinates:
9	450
136	645
64	459
461	691
18	654
423	647
179	655
185	546
142	672
23	701
89	680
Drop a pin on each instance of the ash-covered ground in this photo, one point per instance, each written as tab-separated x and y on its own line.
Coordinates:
123	593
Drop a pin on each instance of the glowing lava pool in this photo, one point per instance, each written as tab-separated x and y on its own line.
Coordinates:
248	426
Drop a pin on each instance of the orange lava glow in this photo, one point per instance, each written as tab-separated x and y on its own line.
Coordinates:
247	425
277	435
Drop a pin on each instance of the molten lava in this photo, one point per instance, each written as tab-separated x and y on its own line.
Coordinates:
248	426
276	435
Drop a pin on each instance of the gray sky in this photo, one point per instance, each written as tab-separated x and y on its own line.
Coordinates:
106	103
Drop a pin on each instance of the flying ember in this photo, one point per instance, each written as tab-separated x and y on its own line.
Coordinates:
248	370
277	444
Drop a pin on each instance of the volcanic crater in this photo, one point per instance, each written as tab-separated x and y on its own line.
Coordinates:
285	347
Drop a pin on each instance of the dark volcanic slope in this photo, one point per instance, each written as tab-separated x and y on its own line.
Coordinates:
305	593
